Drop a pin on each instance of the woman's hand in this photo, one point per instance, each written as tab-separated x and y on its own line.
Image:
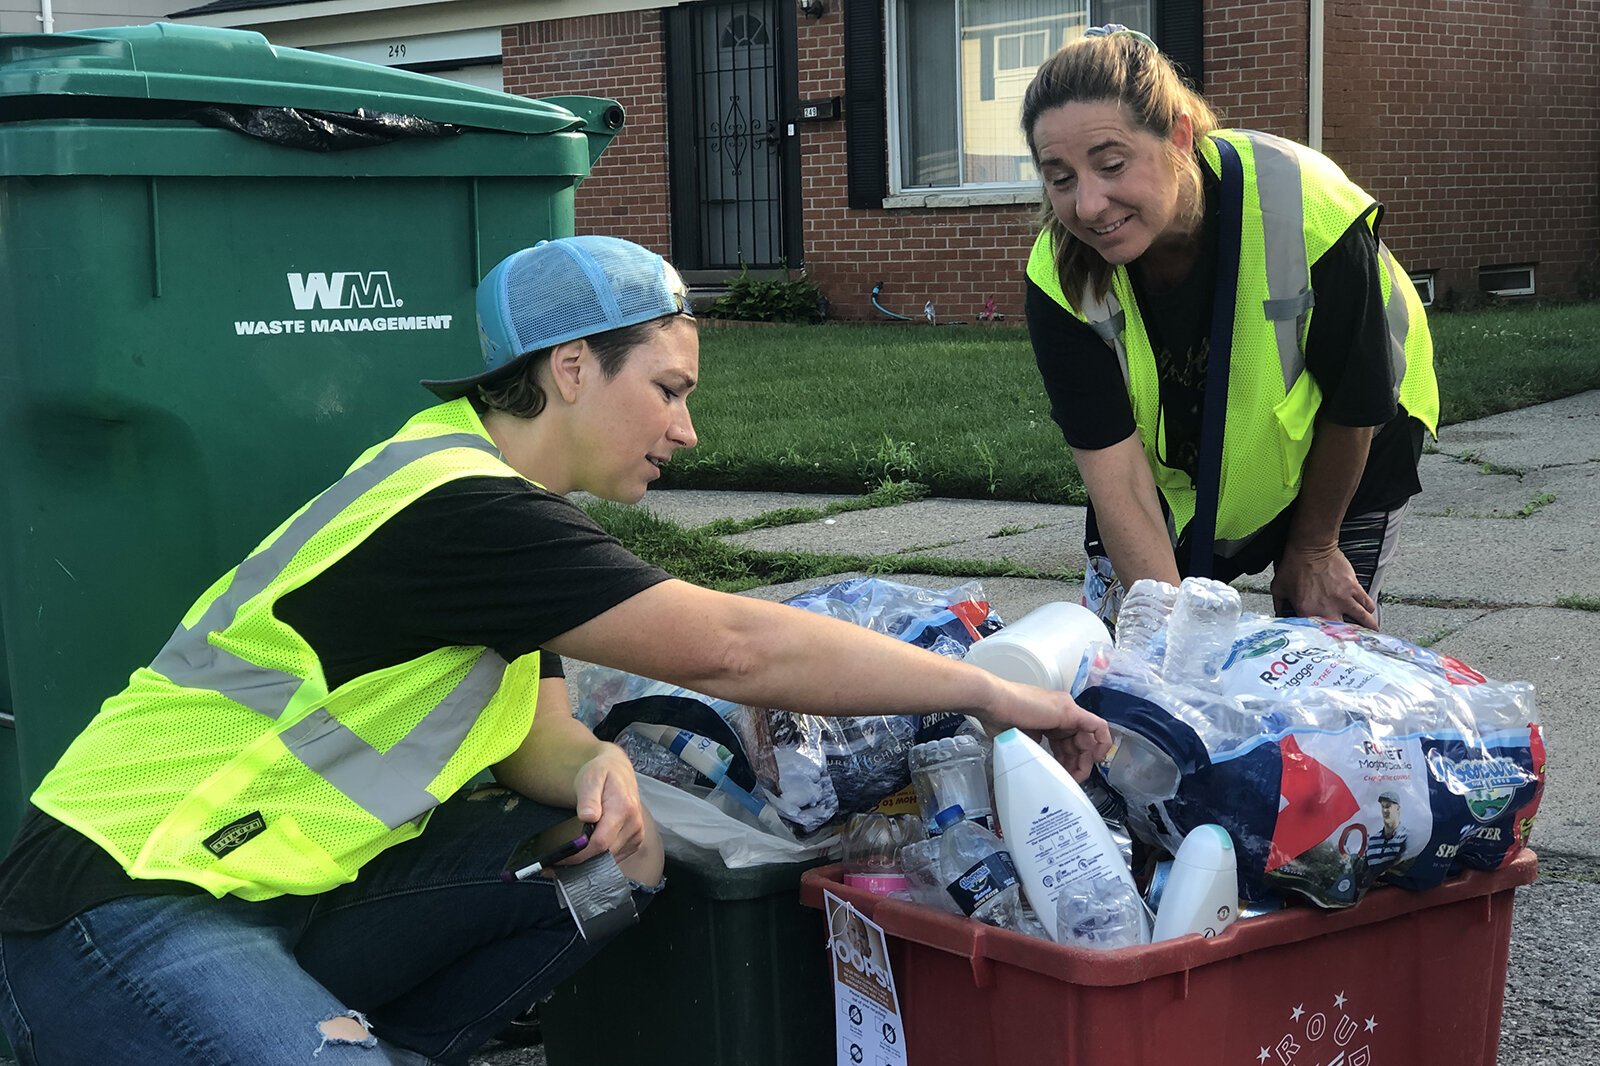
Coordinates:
608	797
1313	577
1077	738
1319	581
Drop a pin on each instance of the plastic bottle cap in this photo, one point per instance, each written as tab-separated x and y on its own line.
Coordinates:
949	816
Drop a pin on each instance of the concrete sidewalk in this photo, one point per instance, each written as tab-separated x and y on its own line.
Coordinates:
1503	532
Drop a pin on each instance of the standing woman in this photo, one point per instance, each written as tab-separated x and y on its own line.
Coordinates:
1195	287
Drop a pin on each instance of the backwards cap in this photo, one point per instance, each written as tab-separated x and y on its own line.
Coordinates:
562	290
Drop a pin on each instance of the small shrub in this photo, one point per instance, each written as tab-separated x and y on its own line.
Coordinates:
751	299
1588	280
1455	299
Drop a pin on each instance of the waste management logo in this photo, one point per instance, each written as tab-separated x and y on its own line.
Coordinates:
342	290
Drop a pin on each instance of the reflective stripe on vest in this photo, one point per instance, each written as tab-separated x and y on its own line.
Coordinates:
1288	274
1397	313
391	786
1278	178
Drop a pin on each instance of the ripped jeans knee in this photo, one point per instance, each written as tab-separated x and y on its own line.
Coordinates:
348	1028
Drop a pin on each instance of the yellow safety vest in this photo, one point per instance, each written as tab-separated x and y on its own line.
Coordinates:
227	762
1297	204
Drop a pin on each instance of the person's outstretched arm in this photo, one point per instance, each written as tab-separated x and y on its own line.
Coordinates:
771	655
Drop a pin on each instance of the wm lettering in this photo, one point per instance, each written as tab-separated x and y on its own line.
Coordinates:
342	290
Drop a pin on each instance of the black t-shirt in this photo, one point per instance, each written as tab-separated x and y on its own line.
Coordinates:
483	561
1347	353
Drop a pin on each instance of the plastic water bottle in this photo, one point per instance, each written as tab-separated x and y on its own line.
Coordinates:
1142	622
920	861
952	772
872	844
1200	631
977	871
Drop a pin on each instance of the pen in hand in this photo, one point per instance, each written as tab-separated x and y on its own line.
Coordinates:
574	846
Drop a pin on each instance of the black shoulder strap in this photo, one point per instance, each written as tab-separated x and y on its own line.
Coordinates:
1213	420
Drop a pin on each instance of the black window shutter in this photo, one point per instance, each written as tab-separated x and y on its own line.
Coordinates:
1179	35
866	119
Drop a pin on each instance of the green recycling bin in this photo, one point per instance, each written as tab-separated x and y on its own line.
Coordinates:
213	304
737	970
10	776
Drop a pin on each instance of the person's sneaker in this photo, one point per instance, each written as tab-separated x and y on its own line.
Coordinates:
524	1030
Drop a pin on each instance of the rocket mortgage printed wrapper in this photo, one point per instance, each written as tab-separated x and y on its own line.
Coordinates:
1336	757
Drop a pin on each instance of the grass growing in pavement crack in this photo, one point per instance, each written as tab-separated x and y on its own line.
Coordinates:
1579	603
1544	499
1485	466
700	557
1012	531
889	493
935	546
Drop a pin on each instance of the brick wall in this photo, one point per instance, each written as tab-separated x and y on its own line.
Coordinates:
619	56
1477	122
1255	64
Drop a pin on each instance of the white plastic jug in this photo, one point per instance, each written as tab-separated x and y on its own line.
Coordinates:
1047	647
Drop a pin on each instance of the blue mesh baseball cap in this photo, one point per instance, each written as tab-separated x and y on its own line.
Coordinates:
559	291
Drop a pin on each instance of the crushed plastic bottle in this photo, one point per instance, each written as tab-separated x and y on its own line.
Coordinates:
920	861
1200	632
872	847
952	772
1142	622
978	873
1102	913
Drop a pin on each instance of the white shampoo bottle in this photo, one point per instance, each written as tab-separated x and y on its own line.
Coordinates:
1202	891
1056	836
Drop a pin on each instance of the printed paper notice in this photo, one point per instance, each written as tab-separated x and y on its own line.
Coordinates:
868	1011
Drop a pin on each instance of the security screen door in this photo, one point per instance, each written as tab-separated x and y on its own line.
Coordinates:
734	159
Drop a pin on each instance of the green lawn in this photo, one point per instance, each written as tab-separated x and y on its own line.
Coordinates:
1492	361
840	408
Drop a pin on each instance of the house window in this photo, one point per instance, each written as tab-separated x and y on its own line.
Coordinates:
1423	280
1506	280
1019	54
959	72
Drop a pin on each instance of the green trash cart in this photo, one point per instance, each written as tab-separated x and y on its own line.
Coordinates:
202	327
725	968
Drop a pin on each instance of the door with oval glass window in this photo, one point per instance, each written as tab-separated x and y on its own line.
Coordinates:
734	157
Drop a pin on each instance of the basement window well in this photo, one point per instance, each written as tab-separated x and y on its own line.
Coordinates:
1507	280
1423	280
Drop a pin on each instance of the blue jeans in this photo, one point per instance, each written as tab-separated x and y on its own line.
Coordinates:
428	948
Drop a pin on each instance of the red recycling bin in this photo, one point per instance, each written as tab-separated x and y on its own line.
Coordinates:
1401	979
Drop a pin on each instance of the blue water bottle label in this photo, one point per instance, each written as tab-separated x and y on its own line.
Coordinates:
987	878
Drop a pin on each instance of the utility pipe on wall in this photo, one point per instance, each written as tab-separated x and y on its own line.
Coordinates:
1314	75
47	16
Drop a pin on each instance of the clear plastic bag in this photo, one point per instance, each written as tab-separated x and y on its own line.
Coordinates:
812	770
1334	756
919	616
